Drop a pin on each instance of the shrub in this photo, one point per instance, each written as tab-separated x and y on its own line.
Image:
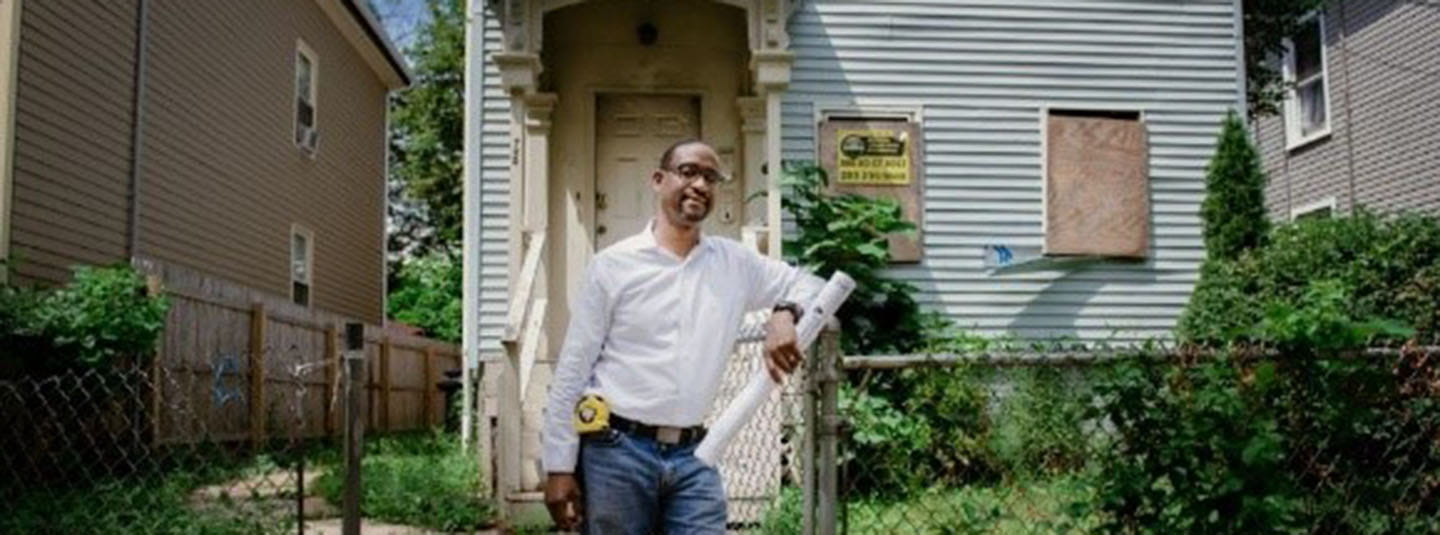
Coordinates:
848	232
428	295
1390	268
1040	426
103	317
1307	441
1233	212
915	429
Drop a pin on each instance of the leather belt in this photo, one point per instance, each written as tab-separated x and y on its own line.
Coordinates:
674	436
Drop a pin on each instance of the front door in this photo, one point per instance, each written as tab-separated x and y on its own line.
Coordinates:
631	130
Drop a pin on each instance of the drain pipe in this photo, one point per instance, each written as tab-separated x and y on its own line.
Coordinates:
137	126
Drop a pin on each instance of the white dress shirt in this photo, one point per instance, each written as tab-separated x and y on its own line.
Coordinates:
650	332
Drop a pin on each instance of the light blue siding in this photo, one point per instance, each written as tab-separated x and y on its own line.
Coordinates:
981	74
494	199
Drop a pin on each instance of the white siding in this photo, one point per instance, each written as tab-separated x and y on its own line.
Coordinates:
981	71
494	199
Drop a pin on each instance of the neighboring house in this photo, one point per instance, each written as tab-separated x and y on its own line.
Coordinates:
1053	154
242	140
1361	126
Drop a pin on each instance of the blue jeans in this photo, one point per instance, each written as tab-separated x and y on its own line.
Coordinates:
635	485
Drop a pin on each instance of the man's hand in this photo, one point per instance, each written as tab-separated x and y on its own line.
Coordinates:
782	345
562	498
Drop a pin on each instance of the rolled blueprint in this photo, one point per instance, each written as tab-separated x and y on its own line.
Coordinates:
742	409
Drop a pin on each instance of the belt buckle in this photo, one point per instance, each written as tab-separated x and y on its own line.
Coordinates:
667	435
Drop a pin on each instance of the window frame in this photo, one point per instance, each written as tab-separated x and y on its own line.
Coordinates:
1301	211
1291	105
303	50
1046	110
301	231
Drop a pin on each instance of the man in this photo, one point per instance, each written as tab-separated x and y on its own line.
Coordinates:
650	332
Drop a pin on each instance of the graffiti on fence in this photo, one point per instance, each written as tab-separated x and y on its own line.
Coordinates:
226	369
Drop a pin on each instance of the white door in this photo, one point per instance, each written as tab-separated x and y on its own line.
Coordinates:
630	133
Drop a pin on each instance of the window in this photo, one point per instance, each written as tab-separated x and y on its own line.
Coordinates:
302	264
306	135
1322	209
1096	184
1307	107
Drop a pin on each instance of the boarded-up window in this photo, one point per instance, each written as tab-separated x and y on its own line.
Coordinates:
879	158
1097	194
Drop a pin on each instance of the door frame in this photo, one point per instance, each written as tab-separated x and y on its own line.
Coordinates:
592	98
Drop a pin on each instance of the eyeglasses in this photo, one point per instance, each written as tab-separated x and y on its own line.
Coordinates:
689	172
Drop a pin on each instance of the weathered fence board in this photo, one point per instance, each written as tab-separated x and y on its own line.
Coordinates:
254	367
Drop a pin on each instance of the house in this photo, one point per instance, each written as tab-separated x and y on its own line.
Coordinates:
245	141
1359	125
1053	154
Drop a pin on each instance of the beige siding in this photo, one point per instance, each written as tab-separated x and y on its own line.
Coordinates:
72	136
1384	147
224	180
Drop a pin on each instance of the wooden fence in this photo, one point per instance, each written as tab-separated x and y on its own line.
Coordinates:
217	334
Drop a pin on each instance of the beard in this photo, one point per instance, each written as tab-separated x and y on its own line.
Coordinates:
692	208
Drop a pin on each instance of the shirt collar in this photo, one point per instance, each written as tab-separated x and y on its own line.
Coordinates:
648	240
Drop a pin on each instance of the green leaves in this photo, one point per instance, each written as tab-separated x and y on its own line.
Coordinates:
103	316
850	233
426	139
1267	24
1324	283
1233	211
427	294
1297	443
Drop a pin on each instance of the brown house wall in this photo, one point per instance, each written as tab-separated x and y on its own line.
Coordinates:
222	180
72	136
1386	146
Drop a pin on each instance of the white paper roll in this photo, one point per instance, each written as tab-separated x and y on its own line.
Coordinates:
742	409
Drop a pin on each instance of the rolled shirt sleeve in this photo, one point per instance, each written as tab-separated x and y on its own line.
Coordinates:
590	316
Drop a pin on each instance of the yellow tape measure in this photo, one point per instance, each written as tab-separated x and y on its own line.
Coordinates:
592	415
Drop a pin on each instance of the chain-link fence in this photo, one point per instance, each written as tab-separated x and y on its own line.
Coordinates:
1069	443
160	449
762	467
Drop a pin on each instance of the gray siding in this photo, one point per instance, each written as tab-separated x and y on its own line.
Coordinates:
981	72
72	136
1383	63
494	199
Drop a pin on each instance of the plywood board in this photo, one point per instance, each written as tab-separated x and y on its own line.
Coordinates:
1097	195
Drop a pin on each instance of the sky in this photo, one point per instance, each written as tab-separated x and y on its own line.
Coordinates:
401	19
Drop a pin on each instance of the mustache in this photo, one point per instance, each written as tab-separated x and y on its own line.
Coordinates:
698	194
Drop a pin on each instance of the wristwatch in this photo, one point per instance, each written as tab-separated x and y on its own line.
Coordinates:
794	309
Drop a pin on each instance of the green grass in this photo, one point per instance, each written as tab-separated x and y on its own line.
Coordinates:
154	503
417	479
1044	506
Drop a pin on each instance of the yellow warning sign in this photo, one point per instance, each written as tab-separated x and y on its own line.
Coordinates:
873	157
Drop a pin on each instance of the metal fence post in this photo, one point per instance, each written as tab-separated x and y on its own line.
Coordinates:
827	432
807	442
354	426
